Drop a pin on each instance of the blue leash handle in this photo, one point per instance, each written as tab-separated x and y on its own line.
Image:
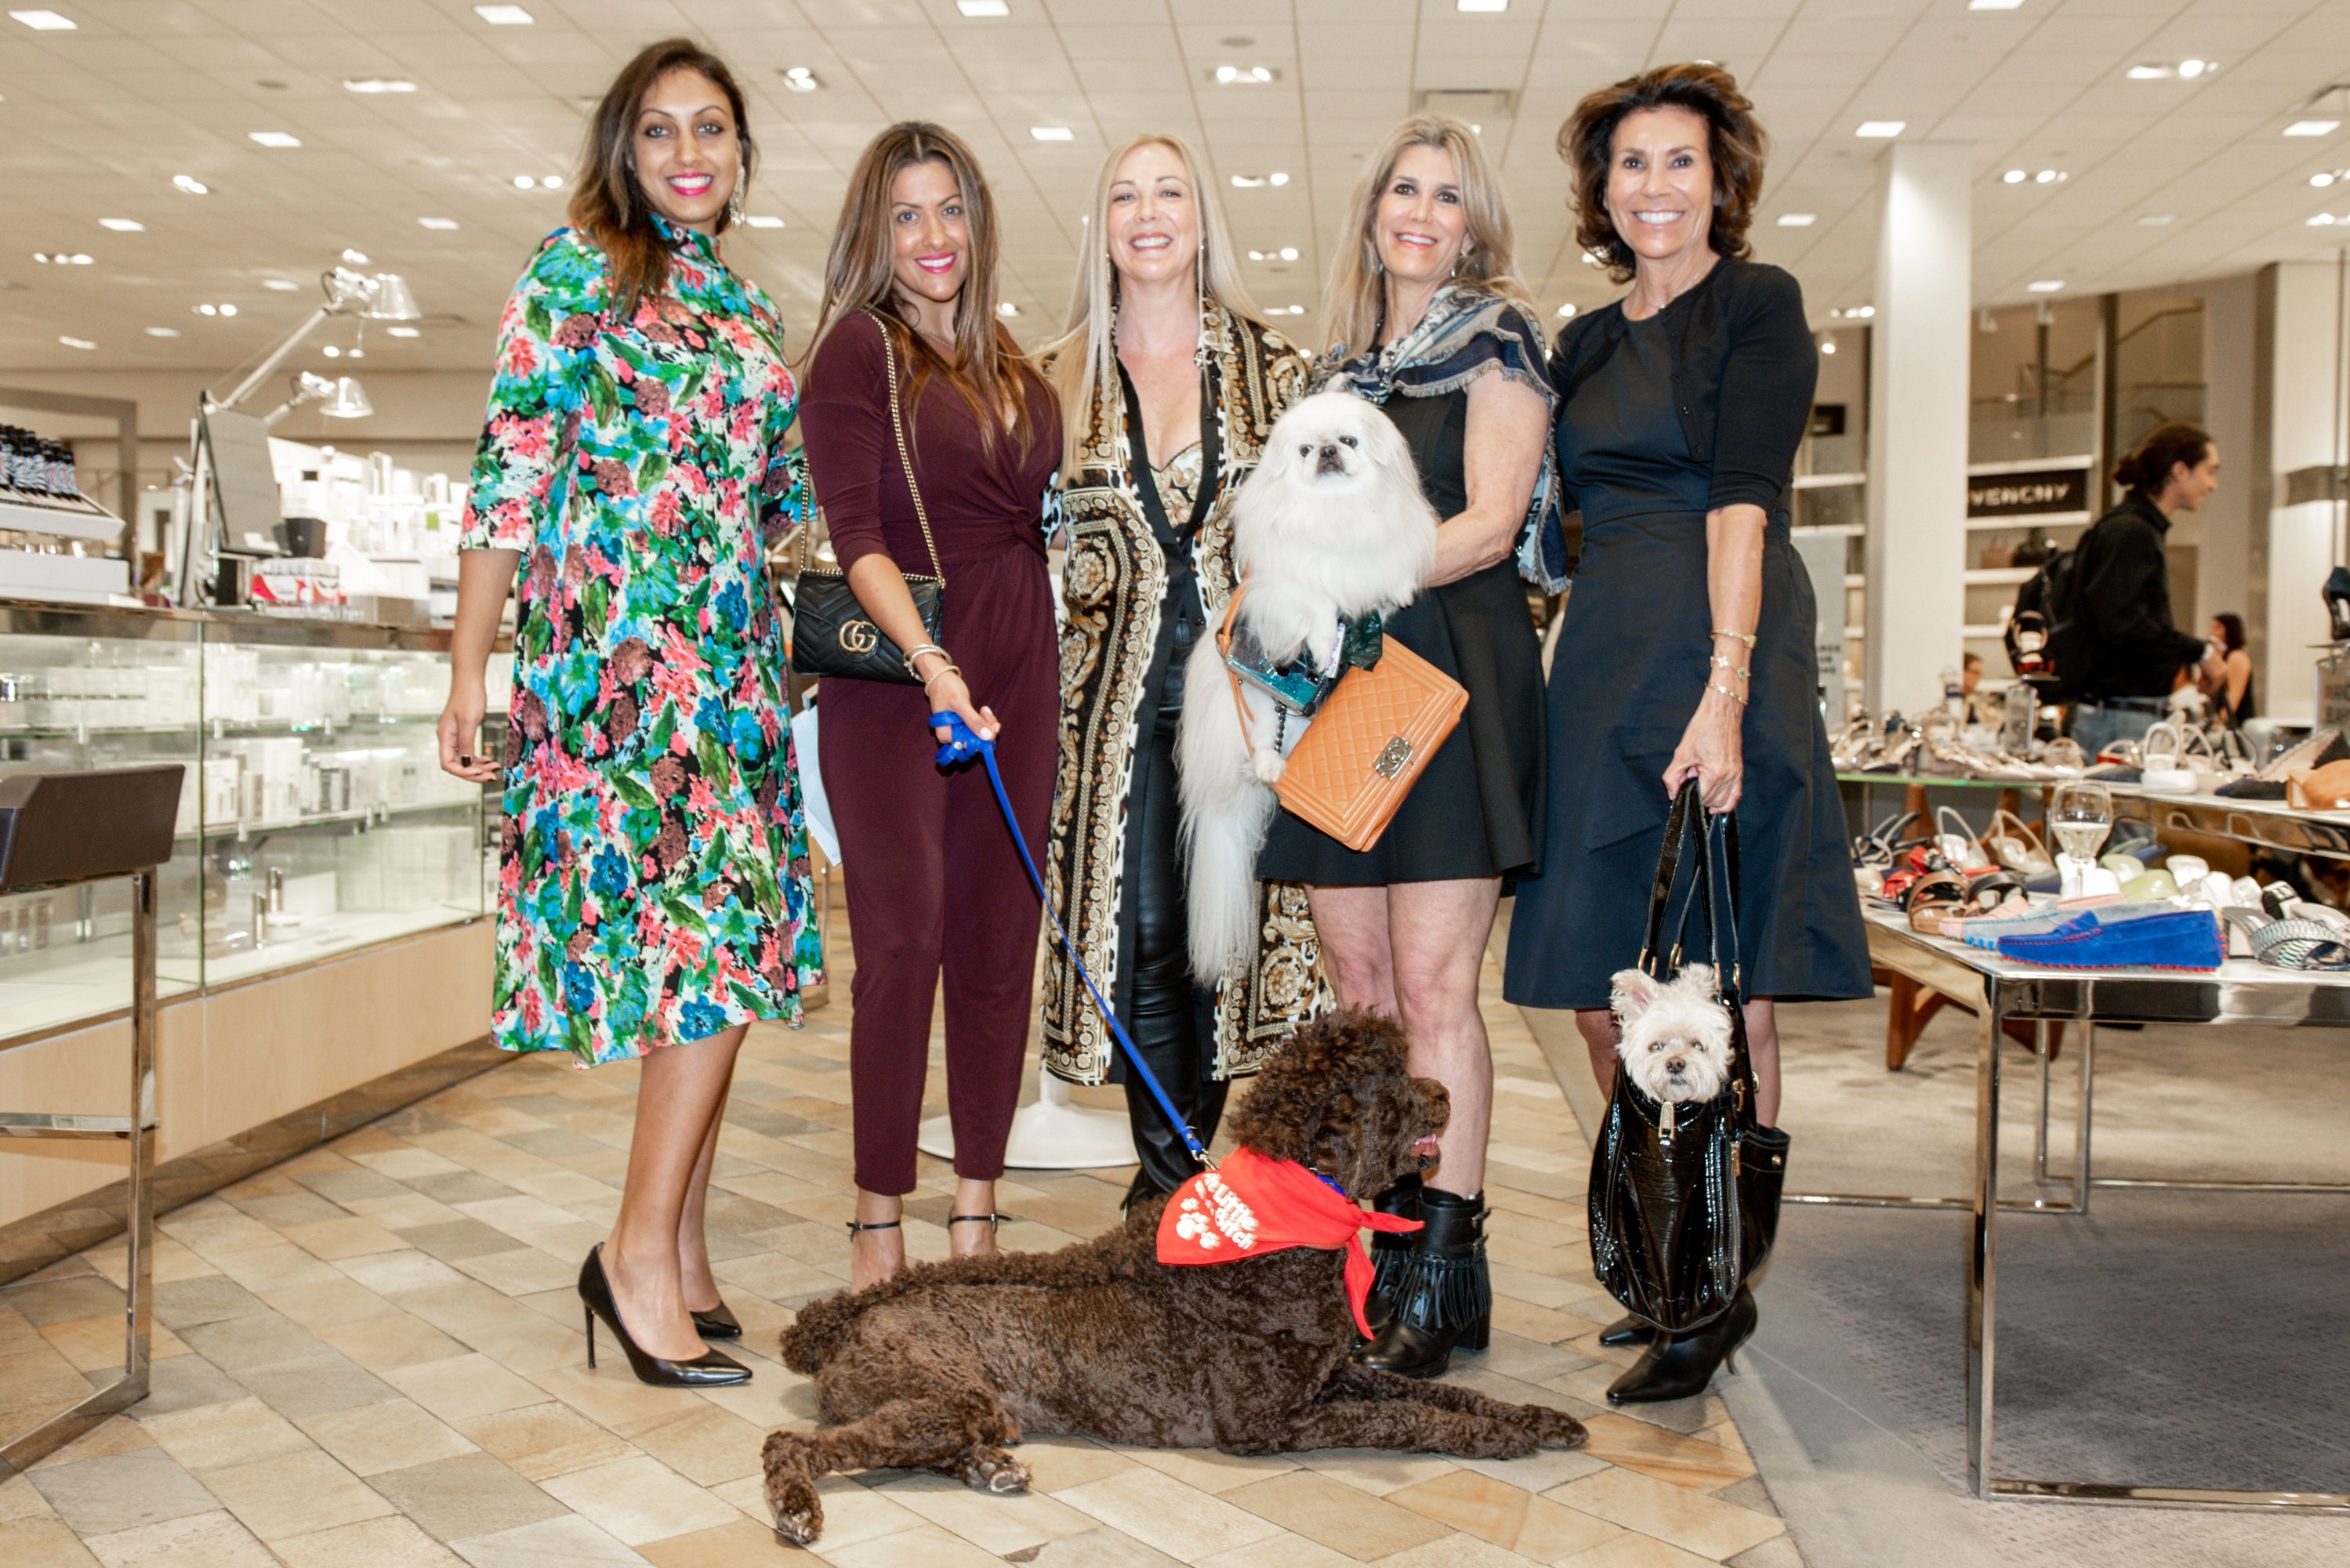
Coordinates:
961	746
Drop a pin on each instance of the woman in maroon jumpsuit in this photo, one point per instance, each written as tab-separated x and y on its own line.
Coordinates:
934	882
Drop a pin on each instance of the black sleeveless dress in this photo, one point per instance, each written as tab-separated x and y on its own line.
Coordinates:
1628	670
1477	809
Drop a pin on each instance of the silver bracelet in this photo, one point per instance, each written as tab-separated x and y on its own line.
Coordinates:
917	652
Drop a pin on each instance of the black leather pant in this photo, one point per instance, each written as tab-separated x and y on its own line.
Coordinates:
1172	1021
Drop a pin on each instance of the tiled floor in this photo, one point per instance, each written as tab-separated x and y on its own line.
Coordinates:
371	1357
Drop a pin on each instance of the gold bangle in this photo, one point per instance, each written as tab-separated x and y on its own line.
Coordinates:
1721	663
1745	636
942	670
1726	692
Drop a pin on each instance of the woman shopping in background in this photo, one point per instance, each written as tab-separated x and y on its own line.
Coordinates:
1427	320
1169	383
934	882
653	892
1687	648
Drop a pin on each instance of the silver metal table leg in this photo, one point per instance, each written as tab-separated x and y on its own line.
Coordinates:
2080	1177
1982	1337
2040	1127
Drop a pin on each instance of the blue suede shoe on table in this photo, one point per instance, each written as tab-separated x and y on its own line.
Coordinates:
2169	939
1988	933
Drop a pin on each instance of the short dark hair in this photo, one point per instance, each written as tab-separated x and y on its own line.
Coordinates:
2148	469
1737	146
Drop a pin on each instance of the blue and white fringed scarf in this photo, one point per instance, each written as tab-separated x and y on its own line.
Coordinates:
1466	329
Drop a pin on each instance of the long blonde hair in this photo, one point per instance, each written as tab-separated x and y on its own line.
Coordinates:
1084	359
1356	297
989	369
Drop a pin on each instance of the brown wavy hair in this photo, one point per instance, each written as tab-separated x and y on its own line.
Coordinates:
2148	468
608	202
989	369
1737	145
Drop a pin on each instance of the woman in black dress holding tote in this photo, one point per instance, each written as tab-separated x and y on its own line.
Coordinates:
1687	648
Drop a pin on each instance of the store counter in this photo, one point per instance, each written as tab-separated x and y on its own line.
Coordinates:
322	950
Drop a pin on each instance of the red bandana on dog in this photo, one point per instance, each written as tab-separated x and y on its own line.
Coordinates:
1250	1206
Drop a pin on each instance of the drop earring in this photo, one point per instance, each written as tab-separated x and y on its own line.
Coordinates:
734	203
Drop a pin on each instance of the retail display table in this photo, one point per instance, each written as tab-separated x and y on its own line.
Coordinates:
2271	824
1998	991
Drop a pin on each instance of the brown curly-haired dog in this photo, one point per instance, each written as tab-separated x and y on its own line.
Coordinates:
944	1366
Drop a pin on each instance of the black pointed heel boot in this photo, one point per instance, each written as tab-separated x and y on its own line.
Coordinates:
1628	1329
1679	1366
1391	1252
1444	1300
710	1369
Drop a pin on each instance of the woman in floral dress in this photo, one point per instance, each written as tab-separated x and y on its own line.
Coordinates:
653	888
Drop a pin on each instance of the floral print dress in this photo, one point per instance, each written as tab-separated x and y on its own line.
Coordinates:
653	882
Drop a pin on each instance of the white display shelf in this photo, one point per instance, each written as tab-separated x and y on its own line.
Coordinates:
63	579
330	936
85	519
1996	576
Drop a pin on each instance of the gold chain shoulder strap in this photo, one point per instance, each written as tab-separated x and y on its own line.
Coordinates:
898	425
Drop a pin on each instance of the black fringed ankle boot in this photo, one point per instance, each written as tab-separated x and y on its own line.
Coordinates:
1444	1299
1391	1252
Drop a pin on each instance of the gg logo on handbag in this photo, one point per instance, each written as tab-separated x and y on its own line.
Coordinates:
858	636
1393	759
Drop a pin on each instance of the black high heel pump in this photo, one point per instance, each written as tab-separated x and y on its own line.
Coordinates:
708	1370
1677	1367
718	1323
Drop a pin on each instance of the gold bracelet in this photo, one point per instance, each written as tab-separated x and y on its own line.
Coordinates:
942	670
917	651
1726	692
1721	663
1745	636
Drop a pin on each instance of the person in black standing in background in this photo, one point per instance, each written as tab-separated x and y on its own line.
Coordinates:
2119	601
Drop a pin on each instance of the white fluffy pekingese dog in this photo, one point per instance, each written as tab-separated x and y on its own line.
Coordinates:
1330	527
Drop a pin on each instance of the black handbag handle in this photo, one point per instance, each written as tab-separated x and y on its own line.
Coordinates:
1713	885
1661	892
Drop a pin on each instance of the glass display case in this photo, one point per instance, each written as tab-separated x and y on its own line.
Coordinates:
314	817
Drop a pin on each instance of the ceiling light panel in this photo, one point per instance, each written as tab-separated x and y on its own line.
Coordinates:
1798	220
439	225
122	225
45	21
2045	285
190	184
2313	128
1881	130
376	85
505	15
984	7
1051	133
274	138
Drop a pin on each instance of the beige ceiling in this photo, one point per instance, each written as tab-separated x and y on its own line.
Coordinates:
96	121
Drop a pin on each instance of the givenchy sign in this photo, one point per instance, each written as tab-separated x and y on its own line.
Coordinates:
2031	494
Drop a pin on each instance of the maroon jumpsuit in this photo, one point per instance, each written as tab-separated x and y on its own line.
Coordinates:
933	879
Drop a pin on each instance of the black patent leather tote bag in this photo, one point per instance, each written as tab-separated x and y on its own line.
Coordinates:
1684	1210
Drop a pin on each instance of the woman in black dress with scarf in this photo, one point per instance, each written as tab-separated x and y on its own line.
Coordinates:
1427	323
1687	648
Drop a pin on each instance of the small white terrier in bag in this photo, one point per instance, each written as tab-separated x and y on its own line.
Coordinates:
1672	1036
1331	527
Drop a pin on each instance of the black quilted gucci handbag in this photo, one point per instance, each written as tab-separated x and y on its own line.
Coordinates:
1685	1207
831	633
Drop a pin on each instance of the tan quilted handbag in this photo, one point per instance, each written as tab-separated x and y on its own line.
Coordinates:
1367	745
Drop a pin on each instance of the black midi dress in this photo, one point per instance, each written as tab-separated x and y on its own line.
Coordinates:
1476	810
1627	674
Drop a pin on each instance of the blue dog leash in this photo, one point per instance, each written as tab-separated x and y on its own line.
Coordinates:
961	746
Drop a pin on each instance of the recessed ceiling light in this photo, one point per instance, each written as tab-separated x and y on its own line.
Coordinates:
331	352
2323	220
215	310
1859	313
2014	177
2045	285
123	225
1798	220
273	139
525	182
280	284
357	258
440	224
377	84
799	78
984	7
2321	181
48	22
1566	313
1005	307
1994	5
2313	128
2157	220
505	15
63	258
1051	133
77	342
763	221
403	332
2050	177
2150	73
1246	76
1881	128
2189	69
552	182
162	332
1484	4
1286	310
192	185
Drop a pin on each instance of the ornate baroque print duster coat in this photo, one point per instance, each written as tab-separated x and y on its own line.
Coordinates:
1114	582
653	884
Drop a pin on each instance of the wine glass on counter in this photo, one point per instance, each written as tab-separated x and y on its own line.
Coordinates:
2079	818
